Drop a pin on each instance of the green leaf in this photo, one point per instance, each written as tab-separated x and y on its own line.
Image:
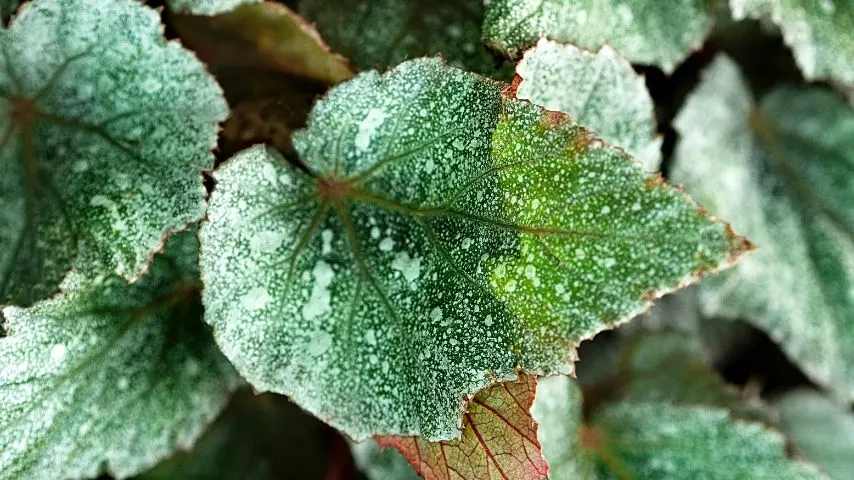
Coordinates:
820	429
206	7
649	32
440	238
819	32
257	437
600	91
499	439
110	377
106	129
781	170
639	440
264	35
383	33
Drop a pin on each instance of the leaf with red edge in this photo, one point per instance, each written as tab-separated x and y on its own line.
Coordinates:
499	439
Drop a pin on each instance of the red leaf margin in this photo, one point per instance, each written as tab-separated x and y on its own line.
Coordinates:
499	439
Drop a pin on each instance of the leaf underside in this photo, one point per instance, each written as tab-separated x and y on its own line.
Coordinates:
649	32
105	128
499	439
110	377
442	237
781	170
207	7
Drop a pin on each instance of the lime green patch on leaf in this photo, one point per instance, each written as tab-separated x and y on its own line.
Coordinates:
109	377
441	237
105	129
781	170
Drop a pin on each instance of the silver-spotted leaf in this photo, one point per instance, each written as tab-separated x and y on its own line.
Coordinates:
105	129
441	237
383	33
110	377
783	171
206	7
649	32
655	440
820	429
600	91
820	32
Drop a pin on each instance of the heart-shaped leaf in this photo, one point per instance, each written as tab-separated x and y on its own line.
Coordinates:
600	91
110	377
499	439
819	32
650	32
655	440
440	237
783	170
105	129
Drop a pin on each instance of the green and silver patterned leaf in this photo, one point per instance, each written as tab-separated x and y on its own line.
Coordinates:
658	440
441	237
206	7
783	171
820	32
649	32
383	33
600	91
821	430
110	377
105	130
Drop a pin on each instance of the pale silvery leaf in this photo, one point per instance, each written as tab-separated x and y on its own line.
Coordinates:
650	32
206	7
600	91
820	32
820	429
441	237
105	130
383	33
783	171
379	463
110	377
655	440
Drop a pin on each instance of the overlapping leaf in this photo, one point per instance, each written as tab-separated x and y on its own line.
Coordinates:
105	128
207	7
383	33
379	463
648	31
600	91
499	439
820	429
440	237
110	377
783	171
655	440
266	35
820	32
